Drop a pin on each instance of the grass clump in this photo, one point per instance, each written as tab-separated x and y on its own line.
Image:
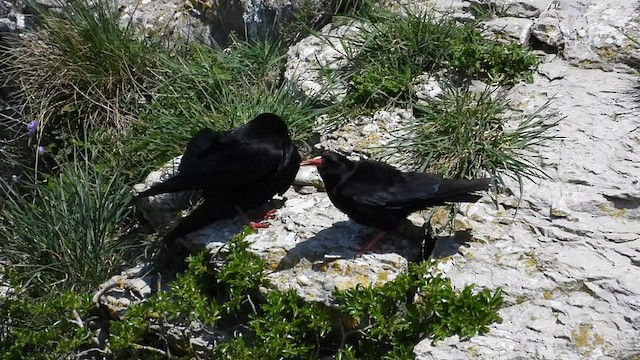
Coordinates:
465	134
80	68
70	227
392	49
209	88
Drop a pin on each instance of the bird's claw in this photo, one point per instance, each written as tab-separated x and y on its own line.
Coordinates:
271	214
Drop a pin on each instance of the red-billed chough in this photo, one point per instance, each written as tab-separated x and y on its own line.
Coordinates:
236	170
378	195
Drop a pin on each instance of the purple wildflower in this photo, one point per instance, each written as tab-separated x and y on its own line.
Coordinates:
40	150
33	127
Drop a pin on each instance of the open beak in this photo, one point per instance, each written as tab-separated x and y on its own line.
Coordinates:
315	162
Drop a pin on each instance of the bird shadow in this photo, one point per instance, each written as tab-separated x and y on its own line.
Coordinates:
171	256
449	245
344	239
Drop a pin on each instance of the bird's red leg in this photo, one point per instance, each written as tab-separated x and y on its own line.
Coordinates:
367	246
254	225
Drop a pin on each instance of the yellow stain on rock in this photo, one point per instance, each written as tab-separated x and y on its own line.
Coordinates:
529	260
383	277
585	339
440	217
613	212
461	225
608	53
353	281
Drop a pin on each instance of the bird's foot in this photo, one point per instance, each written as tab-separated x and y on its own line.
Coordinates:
258	225
270	214
369	245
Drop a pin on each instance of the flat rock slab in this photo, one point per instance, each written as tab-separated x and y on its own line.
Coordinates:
312	247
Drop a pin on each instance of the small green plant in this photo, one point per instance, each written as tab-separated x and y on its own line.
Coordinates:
395	316
203	294
241	275
285	327
392	49
49	327
186	301
69	227
465	134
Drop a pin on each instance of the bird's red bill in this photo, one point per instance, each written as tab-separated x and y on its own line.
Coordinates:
314	162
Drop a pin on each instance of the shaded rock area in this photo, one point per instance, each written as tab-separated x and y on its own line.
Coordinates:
212	21
567	259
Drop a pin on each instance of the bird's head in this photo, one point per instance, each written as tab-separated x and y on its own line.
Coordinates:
332	167
268	124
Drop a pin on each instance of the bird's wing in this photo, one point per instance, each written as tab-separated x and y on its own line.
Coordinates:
232	163
402	191
201	141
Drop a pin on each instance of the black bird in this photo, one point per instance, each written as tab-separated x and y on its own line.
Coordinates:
379	195
236	170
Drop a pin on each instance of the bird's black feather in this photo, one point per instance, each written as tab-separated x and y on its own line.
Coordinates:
376	194
242	168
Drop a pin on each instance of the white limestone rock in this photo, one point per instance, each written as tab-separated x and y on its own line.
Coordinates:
588	33
308	58
568	280
367	136
509	29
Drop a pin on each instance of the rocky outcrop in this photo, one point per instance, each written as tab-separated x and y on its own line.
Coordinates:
310	246
590	34
567	258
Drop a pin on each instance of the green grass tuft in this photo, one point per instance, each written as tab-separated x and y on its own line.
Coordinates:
80	68
68	227
392	49
465	134
208	88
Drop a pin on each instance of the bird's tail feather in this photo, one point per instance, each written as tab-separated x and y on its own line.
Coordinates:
173	184
455	190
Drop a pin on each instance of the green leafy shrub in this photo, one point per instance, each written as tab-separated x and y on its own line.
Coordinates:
377	322
398	314
186	301
369	322
48	327
286	327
